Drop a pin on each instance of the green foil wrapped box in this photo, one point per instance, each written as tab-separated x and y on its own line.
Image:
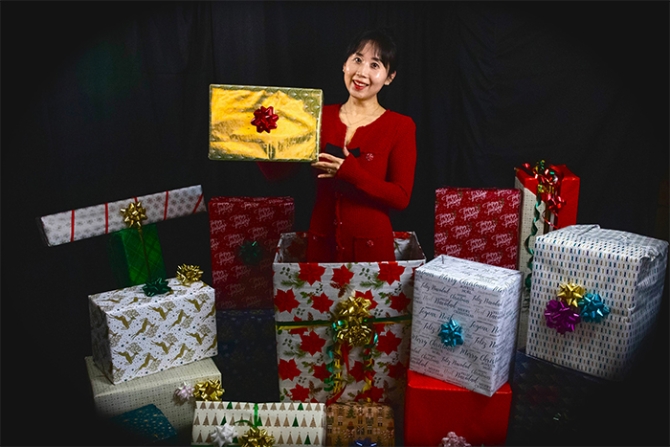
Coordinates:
136	258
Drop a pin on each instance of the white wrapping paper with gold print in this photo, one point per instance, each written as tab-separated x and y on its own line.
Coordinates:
264	123
290	423
83	223
306	298
134	335
465	315
158	389
625	270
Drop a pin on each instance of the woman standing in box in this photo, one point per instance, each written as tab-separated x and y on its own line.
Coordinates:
366	162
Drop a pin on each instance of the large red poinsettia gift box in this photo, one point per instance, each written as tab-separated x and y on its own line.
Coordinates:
343	329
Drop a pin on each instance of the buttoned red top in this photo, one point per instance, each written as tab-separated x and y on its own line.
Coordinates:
350	220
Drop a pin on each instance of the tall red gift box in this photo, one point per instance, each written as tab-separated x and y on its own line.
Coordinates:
434	408
244	232
478	224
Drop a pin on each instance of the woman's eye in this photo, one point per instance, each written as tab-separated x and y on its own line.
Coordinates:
374	65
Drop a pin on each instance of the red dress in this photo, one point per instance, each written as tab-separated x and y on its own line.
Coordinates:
350	220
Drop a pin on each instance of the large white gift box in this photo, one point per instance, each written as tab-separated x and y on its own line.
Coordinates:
158	389
464	320
290	423
134	335
574	264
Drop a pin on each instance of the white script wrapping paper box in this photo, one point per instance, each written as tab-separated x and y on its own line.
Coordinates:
626	271
158	389
290	423
307	298
105	218
484	301
133	335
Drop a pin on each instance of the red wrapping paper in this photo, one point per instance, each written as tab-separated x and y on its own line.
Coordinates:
478	224
433	408
234	222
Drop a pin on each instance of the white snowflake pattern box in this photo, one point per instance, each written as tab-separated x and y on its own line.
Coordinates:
134	335
465	316
595	295
307	297
290	423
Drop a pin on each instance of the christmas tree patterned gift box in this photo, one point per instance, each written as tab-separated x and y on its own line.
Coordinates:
141	330
244	232
264	123
478	224
595	295
465	315
259	424
343	328
360	423
174	391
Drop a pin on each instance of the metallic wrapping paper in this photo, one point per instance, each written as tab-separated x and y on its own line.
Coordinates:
349	422
232	136
136	259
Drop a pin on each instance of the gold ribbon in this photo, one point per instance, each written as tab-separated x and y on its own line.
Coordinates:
571	293
188	274
208	390
352	321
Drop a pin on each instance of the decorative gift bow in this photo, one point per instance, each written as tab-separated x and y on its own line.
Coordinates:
186	274
265	119
573	305
549	179
451	333
254	437
207	390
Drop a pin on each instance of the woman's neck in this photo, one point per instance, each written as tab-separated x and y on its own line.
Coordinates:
357	107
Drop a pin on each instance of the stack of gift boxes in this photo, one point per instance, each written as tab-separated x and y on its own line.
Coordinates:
511	333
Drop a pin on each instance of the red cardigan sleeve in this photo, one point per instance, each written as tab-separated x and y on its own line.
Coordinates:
396	189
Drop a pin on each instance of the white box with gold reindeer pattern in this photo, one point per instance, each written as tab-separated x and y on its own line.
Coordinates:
289	423
159	389
134	335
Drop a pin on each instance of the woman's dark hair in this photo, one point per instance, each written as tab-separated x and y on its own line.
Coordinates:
382	39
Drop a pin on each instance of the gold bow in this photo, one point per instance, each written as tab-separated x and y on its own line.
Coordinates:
209	390
134	214
188	274
571	293
257	437
351	321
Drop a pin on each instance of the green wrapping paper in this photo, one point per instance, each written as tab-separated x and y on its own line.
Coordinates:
135	258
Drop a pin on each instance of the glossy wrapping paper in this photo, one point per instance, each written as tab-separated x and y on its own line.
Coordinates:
243	234
347	423
306	298
478	224
627	271
136	258
434	408
264	123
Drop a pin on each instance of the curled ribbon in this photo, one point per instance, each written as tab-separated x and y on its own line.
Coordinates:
208	390
188	274
265	119
158	286
451	333
251	252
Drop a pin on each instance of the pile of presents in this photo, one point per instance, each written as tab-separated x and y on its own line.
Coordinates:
521	317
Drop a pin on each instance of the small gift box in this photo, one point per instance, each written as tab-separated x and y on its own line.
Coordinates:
248	354
433	408
143	330
244	232
146	425
83	223
360	424
464	322
478	224
136	255
259	424
595	295
264	123
343	328
173	391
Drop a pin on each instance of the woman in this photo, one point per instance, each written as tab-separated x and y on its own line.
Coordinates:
366	162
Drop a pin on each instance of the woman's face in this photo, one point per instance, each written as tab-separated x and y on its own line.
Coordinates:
364	73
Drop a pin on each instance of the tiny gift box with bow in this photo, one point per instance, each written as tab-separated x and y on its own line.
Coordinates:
264	123
478	224
465	316
360	424
145	329
174	391
343	328
595	295
243	234
247	424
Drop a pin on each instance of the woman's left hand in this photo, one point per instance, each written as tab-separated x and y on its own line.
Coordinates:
329	164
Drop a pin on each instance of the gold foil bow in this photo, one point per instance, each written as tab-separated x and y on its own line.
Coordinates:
188	274
257	437
352	321
134	214
571	293
209	390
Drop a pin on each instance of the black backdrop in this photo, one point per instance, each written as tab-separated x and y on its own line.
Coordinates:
104	101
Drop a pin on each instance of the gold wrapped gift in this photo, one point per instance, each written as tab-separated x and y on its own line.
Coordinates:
264	123
365	423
